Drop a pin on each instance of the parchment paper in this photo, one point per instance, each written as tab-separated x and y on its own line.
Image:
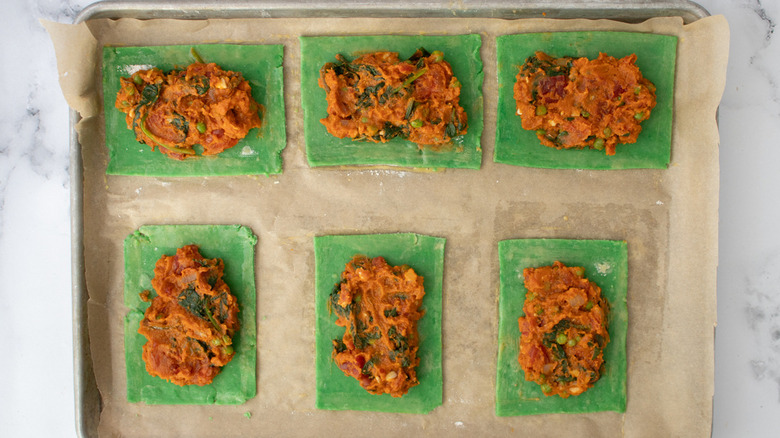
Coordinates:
668	217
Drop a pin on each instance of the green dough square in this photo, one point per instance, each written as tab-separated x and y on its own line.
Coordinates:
234	244
656	57
425	255
606	264
323	149
257	153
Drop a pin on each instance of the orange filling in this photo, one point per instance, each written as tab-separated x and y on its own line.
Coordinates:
191	322
379	306
564	330
578	103
377	97
202	105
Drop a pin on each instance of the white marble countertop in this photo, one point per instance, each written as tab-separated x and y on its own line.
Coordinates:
36	394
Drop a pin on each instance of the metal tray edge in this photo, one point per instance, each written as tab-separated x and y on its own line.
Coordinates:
88	402
637	10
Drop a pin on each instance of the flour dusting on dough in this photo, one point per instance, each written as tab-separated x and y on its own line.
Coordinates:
130	69
603	268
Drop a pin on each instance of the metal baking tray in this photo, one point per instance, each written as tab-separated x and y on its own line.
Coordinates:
88	403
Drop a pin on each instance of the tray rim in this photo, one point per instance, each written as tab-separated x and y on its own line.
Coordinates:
628	10
87	398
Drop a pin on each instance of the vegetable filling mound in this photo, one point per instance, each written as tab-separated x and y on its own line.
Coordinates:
378	97
564	330
191	322
379	305
578	103
202	105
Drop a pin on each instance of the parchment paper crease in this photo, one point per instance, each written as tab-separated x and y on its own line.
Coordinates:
668	217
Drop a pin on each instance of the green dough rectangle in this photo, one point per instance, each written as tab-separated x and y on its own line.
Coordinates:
425	255
606	264
234	244
656	57
257	153
323	149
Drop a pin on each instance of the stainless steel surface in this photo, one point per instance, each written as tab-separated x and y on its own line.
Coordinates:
87	397
630	10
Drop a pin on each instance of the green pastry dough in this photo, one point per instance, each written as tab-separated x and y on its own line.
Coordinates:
656	57
234	244
606	264
425	255
323	149
258	153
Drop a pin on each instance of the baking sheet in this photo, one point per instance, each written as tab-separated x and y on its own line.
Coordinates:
668	217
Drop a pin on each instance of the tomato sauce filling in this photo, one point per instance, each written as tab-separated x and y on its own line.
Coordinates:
190	324
202	104
379	307
564	330
578	103
377	97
